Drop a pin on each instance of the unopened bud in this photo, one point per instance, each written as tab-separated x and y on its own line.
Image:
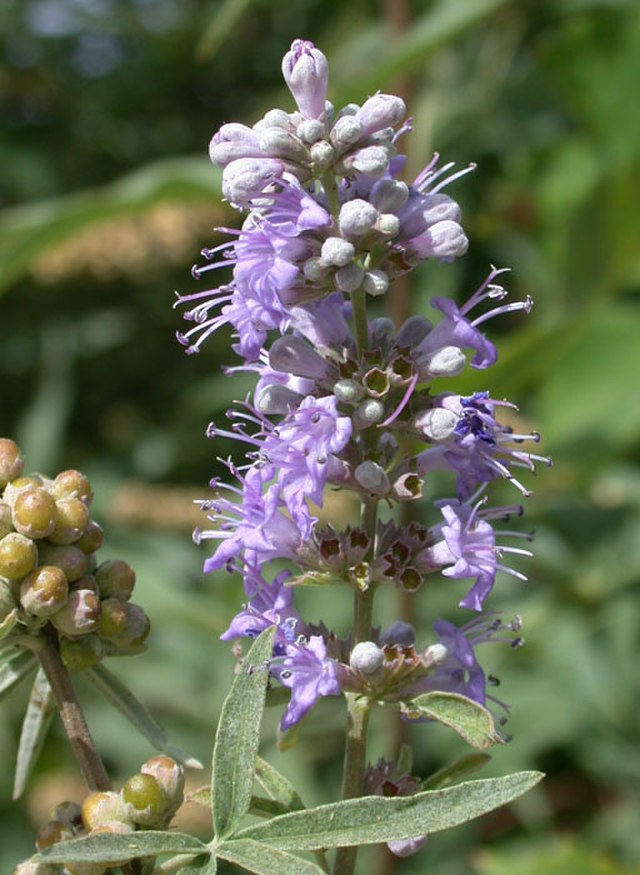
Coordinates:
18	556
115	579
135	632
434	654
306	72
278	143
170	777
346	132
370	412
80	615
322	154
293	355
11	461
145	801
34	513
103	807
52	832
44	591
6	522
92	538
388	195
375	282
399	633
437	424
372	160
388	225
315	269
349	278
337	252
310	131
72	484
72	517
113	618
356	217
366	657
381	111
372	477
245	178
277	399
446	362
412	331
274	118
79	654
348	391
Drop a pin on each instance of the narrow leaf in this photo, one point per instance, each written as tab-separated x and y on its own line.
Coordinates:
262	807
15	670
266	860
35	726
277	786
8	623
237	738
452	773
120	848
124	700
470	720
374	819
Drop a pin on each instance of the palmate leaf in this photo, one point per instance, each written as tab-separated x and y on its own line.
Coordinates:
265	859
120	848
374	819
14	670
470	720
237	738
35	726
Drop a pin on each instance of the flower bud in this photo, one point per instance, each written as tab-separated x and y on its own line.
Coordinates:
70	814
135	631
381	111
44	591
80	615
366	657
437	424
369	412
348	391
52	832
79	654
18	555
11	461
274	118
103	807
337	252
349	278
113	618
115	579
412	331
145	801
315	269
372	160
34	513
443	240
170	777
72	484
306	72
322	154
357	217
372	477
389	195
346	132
293	355
310	131
381	330
233	141
434	655
375	282
21	484
71	519
91	539
388	225
407	847
446	362
277	143
245	178
400	633
277	399
6	522
424	210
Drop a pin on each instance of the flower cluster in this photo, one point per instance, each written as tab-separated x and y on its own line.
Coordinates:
50	579
345	402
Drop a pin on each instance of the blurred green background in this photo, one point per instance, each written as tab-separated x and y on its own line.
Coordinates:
107	197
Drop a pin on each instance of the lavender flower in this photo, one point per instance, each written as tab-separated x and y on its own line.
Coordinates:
309	674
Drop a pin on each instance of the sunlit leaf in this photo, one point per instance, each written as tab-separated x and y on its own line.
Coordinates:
470	720
35	726
265	860
120	848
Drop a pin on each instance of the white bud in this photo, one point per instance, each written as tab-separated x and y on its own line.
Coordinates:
372	160
446	362
434	654
366	657
277	399
315	269
375	282
388	224
348	390
346	131
322	153
372	477
349	278
281	144
337	252
437	424
310	131
370	411
388	195
357	217
275	118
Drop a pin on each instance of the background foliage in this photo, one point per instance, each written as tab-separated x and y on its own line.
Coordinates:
107	198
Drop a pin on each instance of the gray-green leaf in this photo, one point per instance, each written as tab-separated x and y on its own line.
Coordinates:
265	860
120	848
374	819
124	700
455	771
470	720
35	726
237	738
277	786
15	670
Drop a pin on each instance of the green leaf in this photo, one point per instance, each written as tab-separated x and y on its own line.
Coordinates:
277	786
374	819
8	623
262	807
470	720
452	773
237	738
35	726
120	848
15	670
129	706
266	860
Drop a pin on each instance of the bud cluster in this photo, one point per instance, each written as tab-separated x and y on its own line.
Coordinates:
50	575
148	800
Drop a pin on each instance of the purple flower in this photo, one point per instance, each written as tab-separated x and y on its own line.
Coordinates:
309	674
306	72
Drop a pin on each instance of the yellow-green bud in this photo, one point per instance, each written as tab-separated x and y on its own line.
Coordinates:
170	777
91	539
44	591
80	615
100	808
79	654
11	461
21	484
116	579
34	513
136	631
6	521
72	484
113	618
87	581
146	801
68	557
18	556
71	519
52	832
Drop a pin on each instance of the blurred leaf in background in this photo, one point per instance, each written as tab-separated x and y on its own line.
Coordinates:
107	197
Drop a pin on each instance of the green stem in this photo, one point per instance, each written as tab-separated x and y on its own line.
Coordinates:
355	761
71	714
359	304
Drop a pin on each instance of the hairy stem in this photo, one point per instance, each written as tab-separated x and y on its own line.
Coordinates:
355	761
71	714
